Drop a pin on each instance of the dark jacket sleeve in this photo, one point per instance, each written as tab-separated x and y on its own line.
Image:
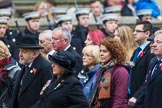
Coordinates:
77	97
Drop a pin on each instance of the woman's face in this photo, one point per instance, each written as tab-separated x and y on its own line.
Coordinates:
57	70
88	60
105	55
116	35
88	41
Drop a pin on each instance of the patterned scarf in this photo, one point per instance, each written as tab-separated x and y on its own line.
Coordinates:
103	85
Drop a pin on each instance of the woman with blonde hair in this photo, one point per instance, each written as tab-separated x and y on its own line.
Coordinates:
90	63
125	35
8	68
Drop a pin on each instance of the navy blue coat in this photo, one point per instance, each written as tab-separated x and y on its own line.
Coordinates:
150	95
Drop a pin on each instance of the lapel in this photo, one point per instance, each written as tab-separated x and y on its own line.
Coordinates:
146	49
55	85
152	65
31	75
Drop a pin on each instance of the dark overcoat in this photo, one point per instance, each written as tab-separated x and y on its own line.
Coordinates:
66	92
25	95
140	70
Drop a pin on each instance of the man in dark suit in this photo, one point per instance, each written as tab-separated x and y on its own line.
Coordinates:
33	75
141	56
149	95
66	21
61	39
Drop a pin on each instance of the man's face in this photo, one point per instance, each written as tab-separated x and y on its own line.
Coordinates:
110	26
3	28
84	20
147	18
25	56
58	42
157	45
96	8
140	35
45	42
68	25
33	24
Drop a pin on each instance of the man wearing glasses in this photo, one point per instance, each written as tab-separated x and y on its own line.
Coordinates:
148	93
141	57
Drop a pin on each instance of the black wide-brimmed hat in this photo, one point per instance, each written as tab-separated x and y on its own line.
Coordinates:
28	42
63	59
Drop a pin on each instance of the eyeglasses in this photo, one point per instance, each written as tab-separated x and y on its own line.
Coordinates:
139	31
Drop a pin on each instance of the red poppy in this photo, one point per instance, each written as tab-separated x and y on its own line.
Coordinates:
35	71
141	54
160	67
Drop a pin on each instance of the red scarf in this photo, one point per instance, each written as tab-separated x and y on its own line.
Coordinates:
3	63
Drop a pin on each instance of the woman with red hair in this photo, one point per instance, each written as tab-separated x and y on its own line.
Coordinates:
94	37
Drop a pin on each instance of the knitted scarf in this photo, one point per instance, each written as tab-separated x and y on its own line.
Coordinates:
103	85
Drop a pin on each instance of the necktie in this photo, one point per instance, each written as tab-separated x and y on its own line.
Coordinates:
136	54
26	71
156	68
130	73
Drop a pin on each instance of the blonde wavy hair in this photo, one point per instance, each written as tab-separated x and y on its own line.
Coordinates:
4	51
127	39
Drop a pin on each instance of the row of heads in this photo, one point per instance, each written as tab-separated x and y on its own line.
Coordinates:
79	11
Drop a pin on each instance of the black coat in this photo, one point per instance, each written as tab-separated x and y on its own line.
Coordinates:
76	43
26	31
65	92
81	33
24	96
150	95
140	70
126	11
78	60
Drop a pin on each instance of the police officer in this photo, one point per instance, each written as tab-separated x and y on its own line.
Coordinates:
32	23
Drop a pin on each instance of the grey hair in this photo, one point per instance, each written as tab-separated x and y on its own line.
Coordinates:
158	32
65	33
48	34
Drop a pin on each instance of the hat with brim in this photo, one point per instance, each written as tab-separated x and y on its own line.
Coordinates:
110	17
64	59
63	18
31	15
5	12
28	42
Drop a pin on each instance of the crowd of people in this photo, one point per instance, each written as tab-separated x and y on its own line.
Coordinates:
67	66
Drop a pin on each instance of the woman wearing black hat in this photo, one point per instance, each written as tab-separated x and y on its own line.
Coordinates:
64	90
